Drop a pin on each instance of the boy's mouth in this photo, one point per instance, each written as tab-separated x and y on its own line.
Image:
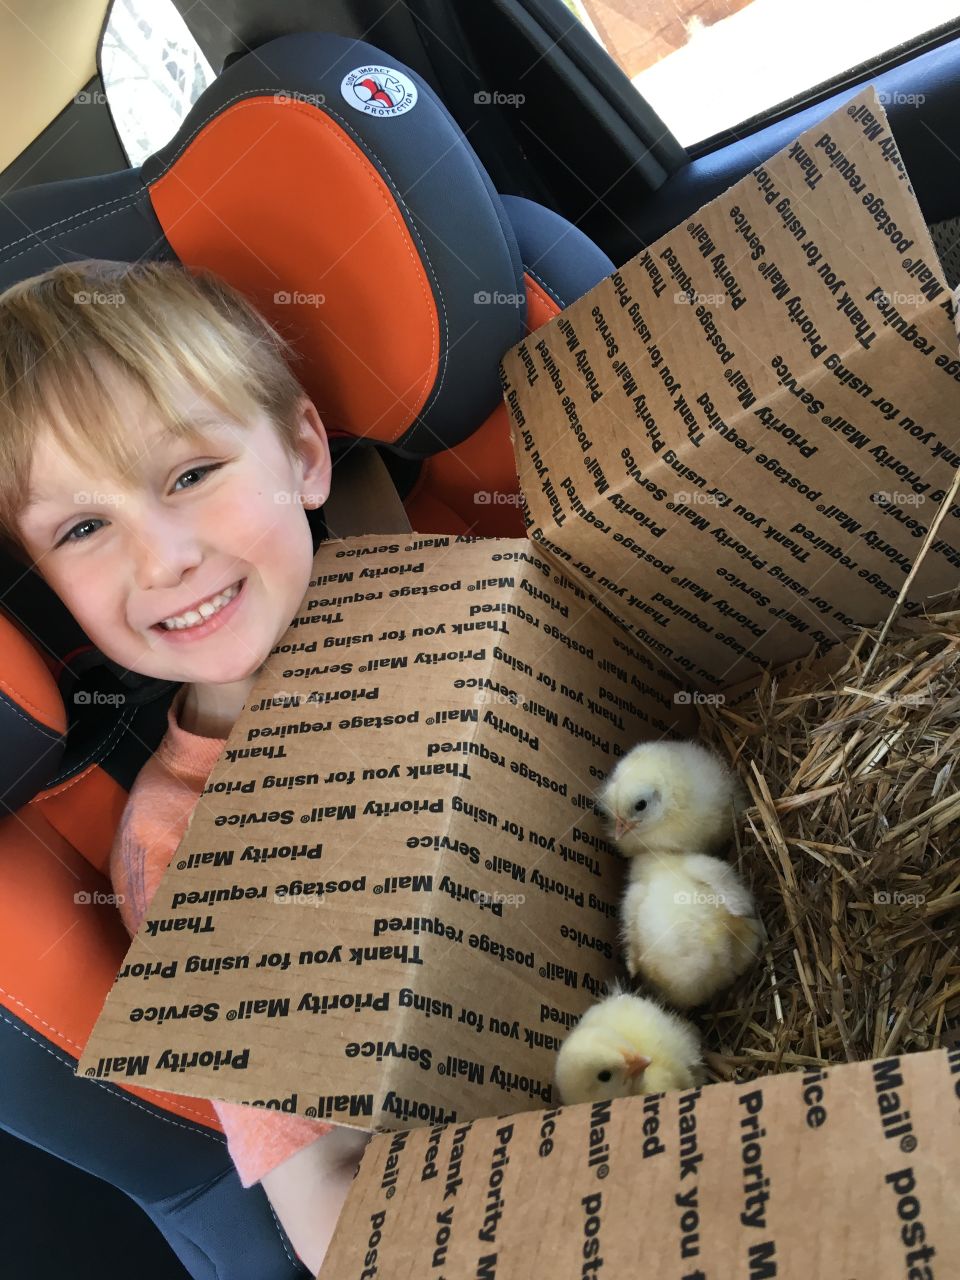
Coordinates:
209	617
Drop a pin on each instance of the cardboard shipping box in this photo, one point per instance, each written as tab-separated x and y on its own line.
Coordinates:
844	1173
396	896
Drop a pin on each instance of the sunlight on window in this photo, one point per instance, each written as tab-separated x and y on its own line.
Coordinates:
153	73
707	65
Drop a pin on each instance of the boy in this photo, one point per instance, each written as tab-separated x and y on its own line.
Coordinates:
187	564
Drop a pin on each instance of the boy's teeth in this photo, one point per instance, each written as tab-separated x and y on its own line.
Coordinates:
206	610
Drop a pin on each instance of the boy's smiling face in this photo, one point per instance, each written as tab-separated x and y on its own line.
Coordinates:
224	508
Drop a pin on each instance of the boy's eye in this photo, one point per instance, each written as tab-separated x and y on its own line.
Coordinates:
69	535
197	471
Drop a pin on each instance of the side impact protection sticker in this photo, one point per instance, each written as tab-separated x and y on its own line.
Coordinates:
379	91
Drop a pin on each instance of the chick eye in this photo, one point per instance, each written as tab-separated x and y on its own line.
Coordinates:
604	1076
640	806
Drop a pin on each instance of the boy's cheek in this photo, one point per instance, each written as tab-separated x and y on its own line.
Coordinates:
88	606
247	510
65	591
269	523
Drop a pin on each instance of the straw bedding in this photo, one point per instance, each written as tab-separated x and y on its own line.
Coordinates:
852	848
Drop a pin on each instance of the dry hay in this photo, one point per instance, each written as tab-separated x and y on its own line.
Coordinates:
852	848
853	851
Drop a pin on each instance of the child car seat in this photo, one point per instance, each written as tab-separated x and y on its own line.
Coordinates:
316	165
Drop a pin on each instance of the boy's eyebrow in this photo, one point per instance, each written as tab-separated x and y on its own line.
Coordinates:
165	439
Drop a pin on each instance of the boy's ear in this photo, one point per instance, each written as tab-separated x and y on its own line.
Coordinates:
314	449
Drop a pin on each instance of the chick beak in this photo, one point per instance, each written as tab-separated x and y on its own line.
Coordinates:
621	827
636	1064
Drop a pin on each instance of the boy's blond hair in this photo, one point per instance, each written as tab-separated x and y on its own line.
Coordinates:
160	324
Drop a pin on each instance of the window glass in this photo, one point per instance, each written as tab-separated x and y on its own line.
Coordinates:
153	73
707	65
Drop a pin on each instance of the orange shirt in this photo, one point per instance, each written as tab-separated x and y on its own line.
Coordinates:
159	806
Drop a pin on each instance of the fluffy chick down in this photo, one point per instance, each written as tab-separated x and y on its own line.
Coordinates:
624	1046
671	796
688	925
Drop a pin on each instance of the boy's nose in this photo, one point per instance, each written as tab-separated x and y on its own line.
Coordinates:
162	551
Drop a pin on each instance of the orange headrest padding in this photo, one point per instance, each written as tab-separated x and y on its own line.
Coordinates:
337	281
26	679
62	944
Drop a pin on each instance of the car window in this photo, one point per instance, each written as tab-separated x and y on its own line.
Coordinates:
705	66
153	72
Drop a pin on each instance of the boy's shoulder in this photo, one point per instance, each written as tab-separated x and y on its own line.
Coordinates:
184	754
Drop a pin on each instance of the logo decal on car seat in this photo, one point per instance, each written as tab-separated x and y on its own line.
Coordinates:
379	91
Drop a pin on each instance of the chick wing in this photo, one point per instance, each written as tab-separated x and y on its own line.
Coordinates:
688	925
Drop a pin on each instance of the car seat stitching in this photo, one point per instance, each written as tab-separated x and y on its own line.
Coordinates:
117	1092
534	290
326	112
443	338
40	728
111	1086
90	222
543	285
80	769
69	218
104	1084
294	1258
33	1013
443	341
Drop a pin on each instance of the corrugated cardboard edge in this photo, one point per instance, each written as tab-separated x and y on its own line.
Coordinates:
838	1174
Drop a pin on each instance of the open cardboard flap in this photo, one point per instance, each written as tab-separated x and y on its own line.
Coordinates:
395	896
848	1172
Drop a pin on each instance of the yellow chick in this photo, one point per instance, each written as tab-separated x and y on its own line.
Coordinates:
671	796
624	1046
688	925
